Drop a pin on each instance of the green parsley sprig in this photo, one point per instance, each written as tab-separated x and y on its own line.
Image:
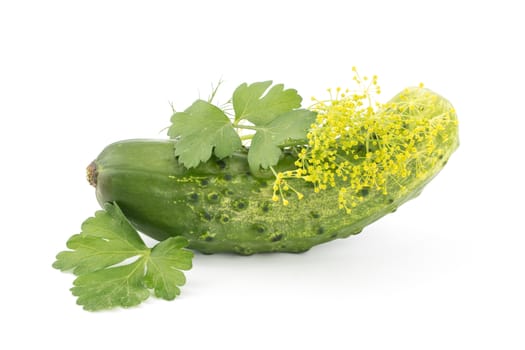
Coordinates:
99	256
271	112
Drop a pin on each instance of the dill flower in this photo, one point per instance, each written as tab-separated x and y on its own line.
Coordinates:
357	145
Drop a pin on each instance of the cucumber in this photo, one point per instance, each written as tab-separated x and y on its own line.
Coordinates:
220	206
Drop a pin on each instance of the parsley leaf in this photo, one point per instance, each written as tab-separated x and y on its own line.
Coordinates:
163	270
248	103
108	288
265	147
106	240
104	279
202	129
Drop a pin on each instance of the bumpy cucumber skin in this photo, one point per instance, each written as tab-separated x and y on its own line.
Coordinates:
220	207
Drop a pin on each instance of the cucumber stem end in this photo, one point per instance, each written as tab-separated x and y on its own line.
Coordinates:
91	174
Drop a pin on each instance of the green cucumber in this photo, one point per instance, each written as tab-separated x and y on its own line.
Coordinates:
220	206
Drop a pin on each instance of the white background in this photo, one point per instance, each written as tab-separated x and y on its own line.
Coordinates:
446	271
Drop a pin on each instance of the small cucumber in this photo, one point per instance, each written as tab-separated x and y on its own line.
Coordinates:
220	206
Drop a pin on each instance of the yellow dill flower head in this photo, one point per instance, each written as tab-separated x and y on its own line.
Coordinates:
358	145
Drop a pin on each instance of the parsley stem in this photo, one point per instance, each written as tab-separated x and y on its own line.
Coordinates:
291	143
249	127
